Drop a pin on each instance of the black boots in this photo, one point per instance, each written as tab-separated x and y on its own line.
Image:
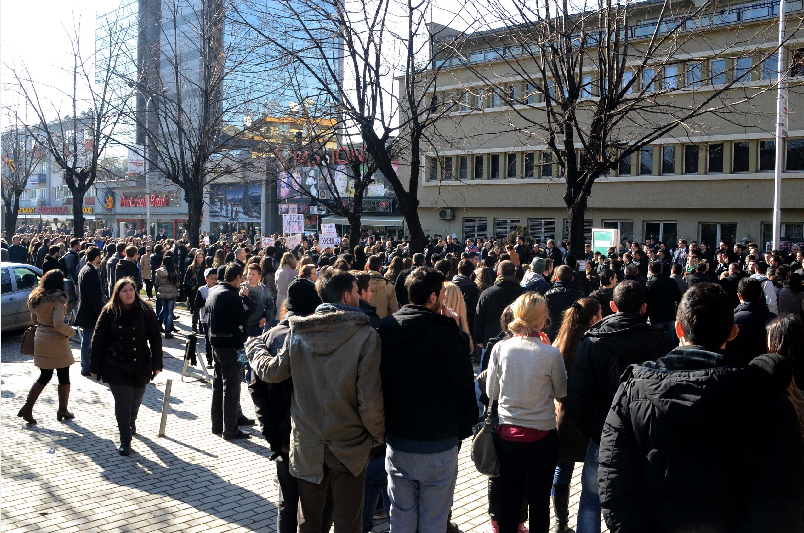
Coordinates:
26	413
561	506
64	397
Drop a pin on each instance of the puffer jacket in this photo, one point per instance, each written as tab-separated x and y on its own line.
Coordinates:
559	299
52	339
383	296
675	432
165	289
333	356
605	352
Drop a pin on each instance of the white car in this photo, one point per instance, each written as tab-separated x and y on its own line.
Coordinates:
18	280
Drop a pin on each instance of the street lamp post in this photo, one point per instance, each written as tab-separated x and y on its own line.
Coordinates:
145	169
781	132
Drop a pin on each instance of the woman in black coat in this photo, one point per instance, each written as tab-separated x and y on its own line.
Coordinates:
126	354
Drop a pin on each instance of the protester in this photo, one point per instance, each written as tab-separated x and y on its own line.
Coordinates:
90	304
126	354
469	291
678	426
51	260
128	266
363	279
534	279
383	296
759	273
263	310
491	303
424	349
284	275
662	295
791	297
201	295
330	447
194	279
168	286
16	252
751	317
605	294
607	349
48	304
525	376
145	271
111	265
560	297
786	337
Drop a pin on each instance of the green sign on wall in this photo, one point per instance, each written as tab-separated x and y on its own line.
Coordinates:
603	239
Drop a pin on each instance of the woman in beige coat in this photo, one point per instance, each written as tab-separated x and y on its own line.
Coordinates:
48	304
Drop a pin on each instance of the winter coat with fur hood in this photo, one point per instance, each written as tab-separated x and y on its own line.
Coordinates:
333	357
52	339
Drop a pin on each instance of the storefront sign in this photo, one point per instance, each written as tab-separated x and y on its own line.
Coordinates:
339	155
59	210
377	205
26	210
108	200
139	201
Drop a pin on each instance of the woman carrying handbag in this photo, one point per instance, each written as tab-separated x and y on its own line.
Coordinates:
126	354
51	349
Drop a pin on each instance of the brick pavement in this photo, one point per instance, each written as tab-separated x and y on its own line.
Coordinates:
68	477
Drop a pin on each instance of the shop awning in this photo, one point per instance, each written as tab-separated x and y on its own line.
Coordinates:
366	221
51	217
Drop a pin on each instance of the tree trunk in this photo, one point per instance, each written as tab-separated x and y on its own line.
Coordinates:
575	215
78	213
12	211
354	231
195	211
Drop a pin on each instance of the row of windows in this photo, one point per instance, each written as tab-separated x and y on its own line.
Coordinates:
691	74
712	158
710	233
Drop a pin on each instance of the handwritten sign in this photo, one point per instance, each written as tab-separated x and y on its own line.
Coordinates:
267	241
327	240
293	224
206	239
292	241
328	229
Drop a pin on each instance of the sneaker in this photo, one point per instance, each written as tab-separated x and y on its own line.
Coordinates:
237	436
244	421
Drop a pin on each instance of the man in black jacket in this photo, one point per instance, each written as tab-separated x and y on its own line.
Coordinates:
90	304
751	317
128	267
731	282
679	428
424	349
111	266
227	311
469	290
491	303
42	253
399	286
661	296
560	297
606	350
16	252
605	294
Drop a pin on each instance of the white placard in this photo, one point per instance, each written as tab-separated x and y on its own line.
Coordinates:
267	241
292	224
328	229
327	240
292	241
206	240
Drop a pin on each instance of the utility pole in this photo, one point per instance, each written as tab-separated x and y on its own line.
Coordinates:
781	132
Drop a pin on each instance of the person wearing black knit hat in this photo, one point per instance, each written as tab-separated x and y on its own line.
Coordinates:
272	403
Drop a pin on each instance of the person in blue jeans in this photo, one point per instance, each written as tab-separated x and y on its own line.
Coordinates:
376	487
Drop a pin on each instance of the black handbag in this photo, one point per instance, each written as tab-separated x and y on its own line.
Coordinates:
484	452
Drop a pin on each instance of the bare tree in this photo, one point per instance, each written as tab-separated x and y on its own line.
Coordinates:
21	155
76	139
597	82
355	53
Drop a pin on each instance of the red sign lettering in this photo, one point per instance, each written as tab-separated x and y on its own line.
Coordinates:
139	201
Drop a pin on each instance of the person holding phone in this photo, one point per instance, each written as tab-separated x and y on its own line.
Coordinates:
126	354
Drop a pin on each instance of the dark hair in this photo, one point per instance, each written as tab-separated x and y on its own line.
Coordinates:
606	277
786	337
55	249
564	273
655	267
332	285
575	323
418	259
158	249
363	279
254	266
131	251
74	242
507	268
232	271
113	304
51	282
92	253
465	268
677	269
121	247
570	261
750	290
423	282
374	262
629	296
341	264
706	315
795	282
445	267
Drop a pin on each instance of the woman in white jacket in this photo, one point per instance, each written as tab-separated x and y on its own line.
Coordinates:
525	375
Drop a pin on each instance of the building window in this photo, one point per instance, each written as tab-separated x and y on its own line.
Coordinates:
447	166
530	94
717	71
587	229
479	97
712	233
586	86
547	165
542	229
432	173
646	161
494	98
662	232
770	67
742	69
694	74
668	159
624	166
504	226
510	167
797	63
529	164
789	232
495	167
767	155
475	228
478	175
627	77
670	79
741	151
463	167
795	154
626	228
513	94
647	79
691	153
715	164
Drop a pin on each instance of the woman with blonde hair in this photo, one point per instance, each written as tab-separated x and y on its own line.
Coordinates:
577	320
219	259
525	375
284	275
453	298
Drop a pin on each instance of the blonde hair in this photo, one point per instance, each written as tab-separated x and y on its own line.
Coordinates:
530	314
288	259
453	298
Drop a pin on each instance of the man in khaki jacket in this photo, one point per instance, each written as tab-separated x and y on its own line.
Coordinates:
383	296
333	357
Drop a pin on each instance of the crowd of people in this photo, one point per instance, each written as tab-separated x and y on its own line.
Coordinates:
670	373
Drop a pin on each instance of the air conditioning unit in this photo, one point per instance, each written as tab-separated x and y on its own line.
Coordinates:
446	213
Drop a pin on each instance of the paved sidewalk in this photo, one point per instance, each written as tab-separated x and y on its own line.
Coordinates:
68	477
